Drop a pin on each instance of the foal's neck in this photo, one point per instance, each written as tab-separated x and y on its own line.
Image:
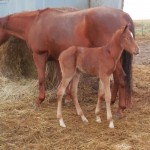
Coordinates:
115	48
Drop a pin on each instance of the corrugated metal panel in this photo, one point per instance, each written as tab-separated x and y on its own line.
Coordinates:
81	4
112	3
12	6
3	7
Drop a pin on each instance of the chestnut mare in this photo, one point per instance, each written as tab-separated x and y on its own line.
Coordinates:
100	62
51	32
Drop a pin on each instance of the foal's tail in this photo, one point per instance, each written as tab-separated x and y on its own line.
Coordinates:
127	65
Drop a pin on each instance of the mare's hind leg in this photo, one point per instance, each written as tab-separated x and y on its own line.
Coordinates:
119	85
98	106
74	88
40	62
106	82
60	93
119	81
114	89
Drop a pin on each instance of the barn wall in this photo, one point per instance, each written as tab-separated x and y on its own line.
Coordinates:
13	6
112	3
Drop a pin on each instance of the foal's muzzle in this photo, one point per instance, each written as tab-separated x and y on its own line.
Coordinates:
137	51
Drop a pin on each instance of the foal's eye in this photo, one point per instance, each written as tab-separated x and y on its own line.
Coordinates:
128	38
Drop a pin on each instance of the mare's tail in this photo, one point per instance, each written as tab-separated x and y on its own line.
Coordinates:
127	66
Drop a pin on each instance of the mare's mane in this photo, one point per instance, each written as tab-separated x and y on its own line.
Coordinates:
25	14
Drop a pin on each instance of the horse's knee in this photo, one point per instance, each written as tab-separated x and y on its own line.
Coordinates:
122	81
108	97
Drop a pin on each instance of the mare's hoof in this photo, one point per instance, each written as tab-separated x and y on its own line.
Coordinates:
68	102
118	116
36	105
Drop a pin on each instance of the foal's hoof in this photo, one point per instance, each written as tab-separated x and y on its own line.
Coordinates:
98	119
84	119
111	125
61	123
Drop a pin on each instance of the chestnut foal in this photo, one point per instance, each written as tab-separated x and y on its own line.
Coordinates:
100	62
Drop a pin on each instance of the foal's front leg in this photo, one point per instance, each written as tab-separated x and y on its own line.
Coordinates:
60	93
98	106
106	82
40	63
74	89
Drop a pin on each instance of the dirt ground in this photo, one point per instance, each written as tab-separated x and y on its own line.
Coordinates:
24	128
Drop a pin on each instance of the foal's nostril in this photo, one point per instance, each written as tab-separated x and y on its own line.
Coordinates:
138	50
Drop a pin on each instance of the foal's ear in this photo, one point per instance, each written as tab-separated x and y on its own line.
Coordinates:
125	28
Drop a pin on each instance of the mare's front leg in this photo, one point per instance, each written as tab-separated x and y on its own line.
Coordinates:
40	63
106	82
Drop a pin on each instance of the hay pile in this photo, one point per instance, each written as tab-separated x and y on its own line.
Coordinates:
16	63
16	59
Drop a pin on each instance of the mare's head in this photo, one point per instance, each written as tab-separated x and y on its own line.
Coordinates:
3	21
127	41
3	34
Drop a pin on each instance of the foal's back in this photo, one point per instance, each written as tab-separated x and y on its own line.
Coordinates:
93	60
86	60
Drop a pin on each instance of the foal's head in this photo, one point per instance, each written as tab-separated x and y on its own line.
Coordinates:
127	41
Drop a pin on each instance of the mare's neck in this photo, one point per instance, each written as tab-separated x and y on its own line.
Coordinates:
3	36
19	26
115	48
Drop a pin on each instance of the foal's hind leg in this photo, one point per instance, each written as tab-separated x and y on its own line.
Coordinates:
68	97
98	106
74	89
40	62
61	91
106	82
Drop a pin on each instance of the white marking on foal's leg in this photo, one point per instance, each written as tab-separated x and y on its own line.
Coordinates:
61	123
111	124
84	119
98	119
